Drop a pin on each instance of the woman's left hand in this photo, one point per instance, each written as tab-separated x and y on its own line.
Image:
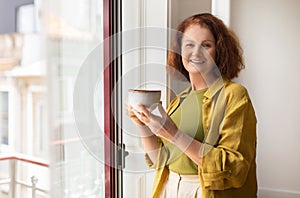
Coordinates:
161	126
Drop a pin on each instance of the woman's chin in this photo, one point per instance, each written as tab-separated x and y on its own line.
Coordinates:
197	70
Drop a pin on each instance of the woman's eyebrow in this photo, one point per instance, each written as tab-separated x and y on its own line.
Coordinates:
209	40
189	40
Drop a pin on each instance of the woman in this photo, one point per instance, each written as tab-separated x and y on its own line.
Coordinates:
204	145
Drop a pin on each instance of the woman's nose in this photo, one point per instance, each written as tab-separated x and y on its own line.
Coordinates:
198	50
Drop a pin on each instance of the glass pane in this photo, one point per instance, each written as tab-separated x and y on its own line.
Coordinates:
4	118
74	33
23	99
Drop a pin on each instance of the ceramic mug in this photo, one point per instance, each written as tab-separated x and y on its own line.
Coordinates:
148	98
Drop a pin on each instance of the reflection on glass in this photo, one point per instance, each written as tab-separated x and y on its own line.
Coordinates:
73	28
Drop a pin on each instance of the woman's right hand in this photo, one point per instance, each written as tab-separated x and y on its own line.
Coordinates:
131	112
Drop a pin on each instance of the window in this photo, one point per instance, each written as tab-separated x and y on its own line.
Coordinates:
4	115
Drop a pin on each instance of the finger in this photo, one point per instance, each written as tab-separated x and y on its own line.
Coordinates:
128	108
138	114
161	109
136	118
129	111
144	110
142	117
131	114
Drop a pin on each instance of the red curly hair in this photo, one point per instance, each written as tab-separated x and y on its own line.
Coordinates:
228	59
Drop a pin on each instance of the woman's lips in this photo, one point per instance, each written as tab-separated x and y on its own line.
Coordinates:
195	61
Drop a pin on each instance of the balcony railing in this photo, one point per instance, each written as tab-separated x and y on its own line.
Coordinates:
13	181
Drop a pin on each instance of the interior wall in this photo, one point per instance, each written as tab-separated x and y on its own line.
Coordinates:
269	33
180	10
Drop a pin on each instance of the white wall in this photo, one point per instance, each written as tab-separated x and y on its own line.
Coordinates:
269	32
180	10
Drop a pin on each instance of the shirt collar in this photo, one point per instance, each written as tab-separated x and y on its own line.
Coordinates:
215	87
211	91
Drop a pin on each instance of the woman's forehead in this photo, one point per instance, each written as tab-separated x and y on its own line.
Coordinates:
197	33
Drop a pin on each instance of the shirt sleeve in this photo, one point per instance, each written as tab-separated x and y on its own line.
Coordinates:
227	164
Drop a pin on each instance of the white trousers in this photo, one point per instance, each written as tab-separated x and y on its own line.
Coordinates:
181	186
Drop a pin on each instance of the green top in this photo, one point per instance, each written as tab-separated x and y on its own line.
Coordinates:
188	118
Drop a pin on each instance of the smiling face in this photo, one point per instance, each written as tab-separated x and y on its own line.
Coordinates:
198	49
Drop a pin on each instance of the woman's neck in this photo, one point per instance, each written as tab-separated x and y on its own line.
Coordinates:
199	82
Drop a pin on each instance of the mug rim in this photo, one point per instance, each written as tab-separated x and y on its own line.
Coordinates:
143	90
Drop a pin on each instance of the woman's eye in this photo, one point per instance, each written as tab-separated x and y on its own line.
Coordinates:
205	45
189	45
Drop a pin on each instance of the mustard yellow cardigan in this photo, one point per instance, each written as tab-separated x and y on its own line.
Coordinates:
228	168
